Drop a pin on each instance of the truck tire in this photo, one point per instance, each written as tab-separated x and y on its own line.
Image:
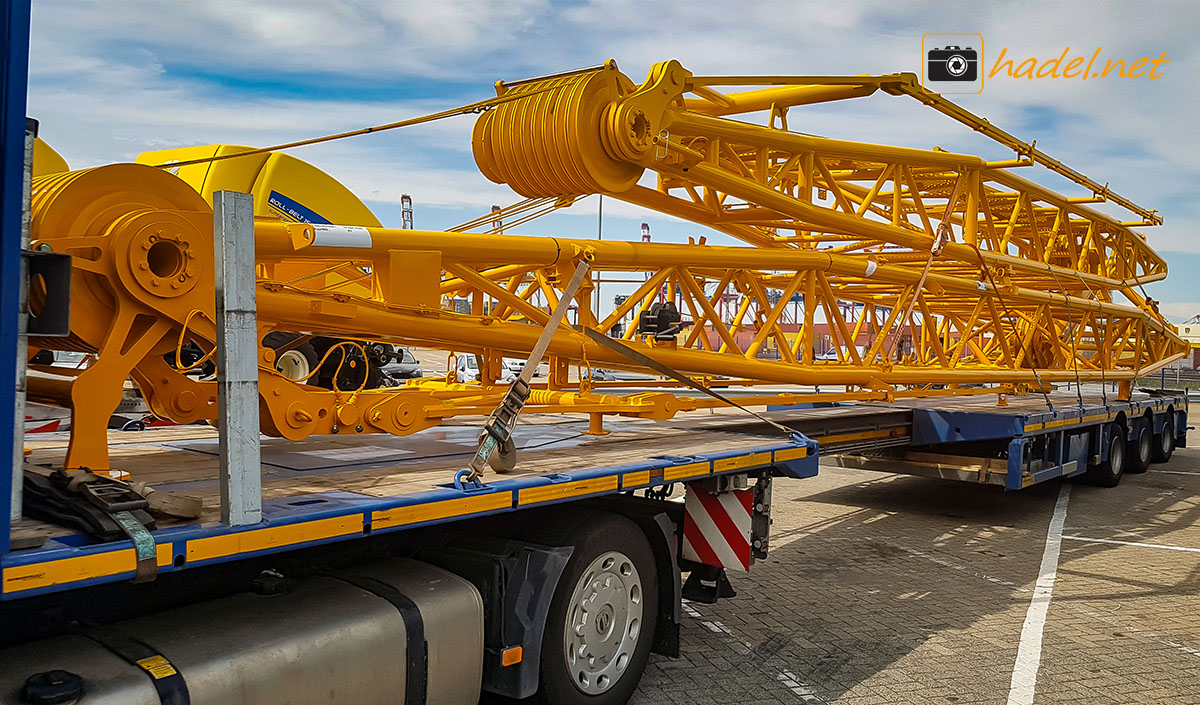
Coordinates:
1108	472
600	626
1164	443
1140	450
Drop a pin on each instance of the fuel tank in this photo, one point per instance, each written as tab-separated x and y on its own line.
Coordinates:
383	633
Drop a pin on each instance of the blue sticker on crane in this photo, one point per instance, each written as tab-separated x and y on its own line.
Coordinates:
293	210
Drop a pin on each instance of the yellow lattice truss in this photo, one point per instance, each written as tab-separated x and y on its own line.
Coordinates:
925	272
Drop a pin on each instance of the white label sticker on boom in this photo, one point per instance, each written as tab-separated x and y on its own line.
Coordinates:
340	236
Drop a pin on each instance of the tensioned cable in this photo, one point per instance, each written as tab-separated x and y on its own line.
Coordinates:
1074	350
470	108
987	272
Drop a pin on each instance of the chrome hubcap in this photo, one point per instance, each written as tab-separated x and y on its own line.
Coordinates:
604	620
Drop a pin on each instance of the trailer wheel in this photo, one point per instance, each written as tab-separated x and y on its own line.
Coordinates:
601	622
1108	472
295	364
1164	443
1140	450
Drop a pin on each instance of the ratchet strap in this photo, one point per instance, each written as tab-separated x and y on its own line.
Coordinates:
497	432
100	506
623	349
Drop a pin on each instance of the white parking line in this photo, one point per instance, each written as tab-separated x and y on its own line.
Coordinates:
1135	543
794	684
788	679
1029	651
1124	627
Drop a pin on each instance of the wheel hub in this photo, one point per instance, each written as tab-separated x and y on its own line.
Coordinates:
293	365
603	623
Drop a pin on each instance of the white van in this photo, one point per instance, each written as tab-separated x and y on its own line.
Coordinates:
468	369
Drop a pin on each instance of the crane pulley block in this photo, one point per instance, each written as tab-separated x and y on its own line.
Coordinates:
662	321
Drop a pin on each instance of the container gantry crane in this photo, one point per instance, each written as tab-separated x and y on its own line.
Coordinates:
999	281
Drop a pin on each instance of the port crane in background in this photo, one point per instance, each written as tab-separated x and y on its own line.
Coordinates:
1001	283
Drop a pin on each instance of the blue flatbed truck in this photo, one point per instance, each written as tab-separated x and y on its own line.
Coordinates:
373	577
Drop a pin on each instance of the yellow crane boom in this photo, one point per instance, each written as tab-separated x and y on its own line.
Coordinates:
925	268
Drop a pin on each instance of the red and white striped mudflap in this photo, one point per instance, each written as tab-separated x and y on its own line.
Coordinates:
717	527
41	426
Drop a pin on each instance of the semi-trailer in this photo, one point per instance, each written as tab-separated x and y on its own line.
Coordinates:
356	553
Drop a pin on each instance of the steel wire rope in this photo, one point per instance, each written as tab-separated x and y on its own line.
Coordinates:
1074	351
1008	314
475	108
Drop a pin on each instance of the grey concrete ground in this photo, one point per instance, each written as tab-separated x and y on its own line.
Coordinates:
894	589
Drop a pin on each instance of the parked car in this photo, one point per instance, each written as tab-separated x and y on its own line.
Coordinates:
603	375
514	366
467	369
832	354
403	365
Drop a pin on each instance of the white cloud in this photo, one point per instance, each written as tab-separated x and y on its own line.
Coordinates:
1180	311
110	80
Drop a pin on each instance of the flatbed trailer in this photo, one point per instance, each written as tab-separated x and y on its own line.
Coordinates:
484	567
333	488
1034	439
376	573
338	507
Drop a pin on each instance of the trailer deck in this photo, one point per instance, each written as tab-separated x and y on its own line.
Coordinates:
336	488
1045	436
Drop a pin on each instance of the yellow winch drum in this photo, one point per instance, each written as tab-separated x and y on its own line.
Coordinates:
550	144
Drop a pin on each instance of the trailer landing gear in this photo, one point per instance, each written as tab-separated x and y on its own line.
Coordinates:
707	584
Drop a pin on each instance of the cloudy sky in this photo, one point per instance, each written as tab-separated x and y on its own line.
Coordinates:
112	79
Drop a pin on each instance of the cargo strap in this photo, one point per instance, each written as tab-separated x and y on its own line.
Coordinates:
169	682
416	648
100	506
496	439
623	349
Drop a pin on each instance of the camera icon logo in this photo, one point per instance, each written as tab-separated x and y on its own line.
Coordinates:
951	62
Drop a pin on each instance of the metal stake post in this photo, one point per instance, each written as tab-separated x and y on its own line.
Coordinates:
14	71
237	359
22	344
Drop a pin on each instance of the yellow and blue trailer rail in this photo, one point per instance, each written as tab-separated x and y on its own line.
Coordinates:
302	521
